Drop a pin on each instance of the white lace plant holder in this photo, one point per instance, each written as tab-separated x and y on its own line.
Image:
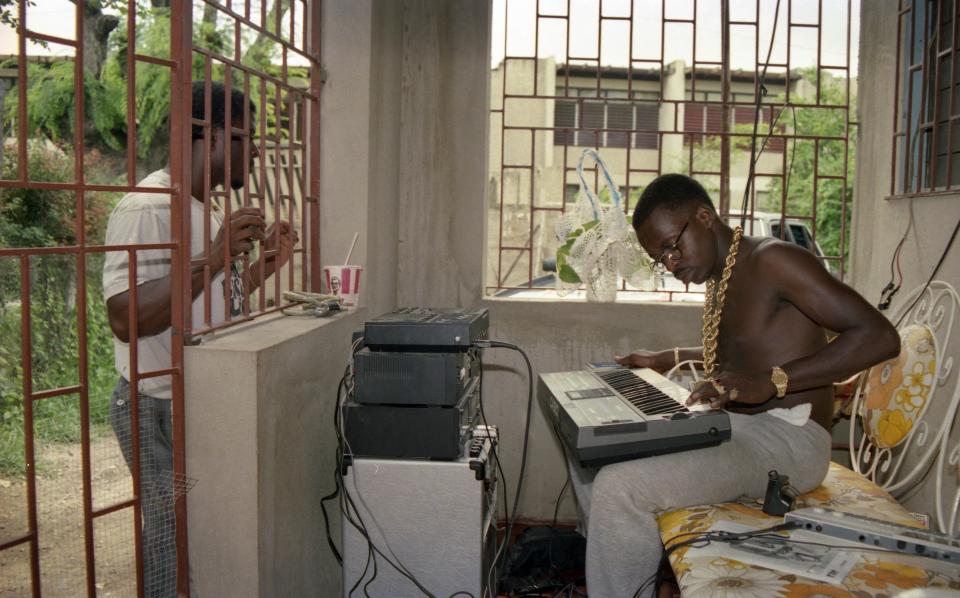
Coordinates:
598	247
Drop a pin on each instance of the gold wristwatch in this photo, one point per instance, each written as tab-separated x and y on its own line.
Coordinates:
780	380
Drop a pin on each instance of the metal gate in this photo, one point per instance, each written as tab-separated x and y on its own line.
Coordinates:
96	96
659	86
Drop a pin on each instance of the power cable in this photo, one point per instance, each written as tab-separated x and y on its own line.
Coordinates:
478	356
943	256
501	550
761	93
566	482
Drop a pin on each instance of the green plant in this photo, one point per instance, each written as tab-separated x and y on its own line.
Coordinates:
802	158
34	217
565	271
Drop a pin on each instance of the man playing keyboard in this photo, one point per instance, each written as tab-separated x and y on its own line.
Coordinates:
768	309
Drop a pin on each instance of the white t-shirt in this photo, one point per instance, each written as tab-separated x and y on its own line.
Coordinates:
142	218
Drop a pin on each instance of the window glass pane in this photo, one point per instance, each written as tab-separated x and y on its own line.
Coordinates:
693	122
714	118
564	115
619	116
799	235
648	119
592	119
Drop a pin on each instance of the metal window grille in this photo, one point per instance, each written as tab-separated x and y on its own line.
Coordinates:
659	87
927	105
73	166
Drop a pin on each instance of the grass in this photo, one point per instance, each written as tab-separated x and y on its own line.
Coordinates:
55	364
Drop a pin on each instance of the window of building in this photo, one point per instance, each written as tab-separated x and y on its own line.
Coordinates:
701	120
611	122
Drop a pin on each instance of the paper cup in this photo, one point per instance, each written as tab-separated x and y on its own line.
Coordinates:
344	282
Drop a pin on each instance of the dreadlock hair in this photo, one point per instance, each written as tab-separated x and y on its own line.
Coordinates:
218	112
671	192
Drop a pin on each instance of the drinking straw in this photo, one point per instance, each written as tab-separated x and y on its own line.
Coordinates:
350	252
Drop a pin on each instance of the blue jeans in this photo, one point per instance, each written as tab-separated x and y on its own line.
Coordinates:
156	484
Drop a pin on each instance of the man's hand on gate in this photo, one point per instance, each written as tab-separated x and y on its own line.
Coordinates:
280	236
246	226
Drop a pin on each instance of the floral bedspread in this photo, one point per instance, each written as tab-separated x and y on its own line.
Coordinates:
873	575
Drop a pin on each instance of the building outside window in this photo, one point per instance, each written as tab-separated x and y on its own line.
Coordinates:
647	87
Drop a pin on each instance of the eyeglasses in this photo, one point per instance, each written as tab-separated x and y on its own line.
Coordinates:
672	253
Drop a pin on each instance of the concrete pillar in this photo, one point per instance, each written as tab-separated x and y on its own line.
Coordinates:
674	88
444	120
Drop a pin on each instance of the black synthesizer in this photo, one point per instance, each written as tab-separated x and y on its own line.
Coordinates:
606	415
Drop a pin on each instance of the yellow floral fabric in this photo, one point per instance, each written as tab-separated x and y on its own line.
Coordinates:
844	490
897	390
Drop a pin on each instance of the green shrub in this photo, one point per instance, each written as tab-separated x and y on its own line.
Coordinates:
31	217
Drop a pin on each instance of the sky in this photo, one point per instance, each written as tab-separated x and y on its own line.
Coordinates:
609	43
514	23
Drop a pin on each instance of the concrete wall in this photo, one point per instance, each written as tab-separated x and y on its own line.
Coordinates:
879	221
405	127
443	143
260	446
404	163
260	397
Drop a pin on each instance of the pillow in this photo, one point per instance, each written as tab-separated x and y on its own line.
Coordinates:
897	391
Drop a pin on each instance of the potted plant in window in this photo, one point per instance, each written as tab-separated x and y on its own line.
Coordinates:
598	247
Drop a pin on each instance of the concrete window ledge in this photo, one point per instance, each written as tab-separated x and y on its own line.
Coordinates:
260	444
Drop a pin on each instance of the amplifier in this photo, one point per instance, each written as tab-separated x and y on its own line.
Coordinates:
411	378
408	432
426	329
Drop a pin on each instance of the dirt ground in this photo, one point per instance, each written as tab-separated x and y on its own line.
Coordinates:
60	523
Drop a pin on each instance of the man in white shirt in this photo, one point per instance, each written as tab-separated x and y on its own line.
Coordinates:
144	218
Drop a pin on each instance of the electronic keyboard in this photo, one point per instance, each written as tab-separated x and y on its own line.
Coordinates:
606	415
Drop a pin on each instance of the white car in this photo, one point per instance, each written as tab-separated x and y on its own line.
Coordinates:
767	224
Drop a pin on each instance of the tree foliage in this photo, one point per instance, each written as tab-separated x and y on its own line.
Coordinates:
32	217
827	158
801	118
51	100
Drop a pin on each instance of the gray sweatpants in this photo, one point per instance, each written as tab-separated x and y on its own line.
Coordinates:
618	503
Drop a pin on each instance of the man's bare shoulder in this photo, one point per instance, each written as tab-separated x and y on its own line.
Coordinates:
770	252
783	265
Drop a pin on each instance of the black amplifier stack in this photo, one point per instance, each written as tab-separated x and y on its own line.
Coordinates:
416	384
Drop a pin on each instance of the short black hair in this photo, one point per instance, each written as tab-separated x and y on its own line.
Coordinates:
218	111
670	191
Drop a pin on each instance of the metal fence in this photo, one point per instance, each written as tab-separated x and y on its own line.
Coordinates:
657	87
94	99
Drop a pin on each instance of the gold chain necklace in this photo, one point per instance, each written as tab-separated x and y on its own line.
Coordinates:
713	306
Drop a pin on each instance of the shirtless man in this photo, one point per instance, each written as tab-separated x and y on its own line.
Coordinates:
773	372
